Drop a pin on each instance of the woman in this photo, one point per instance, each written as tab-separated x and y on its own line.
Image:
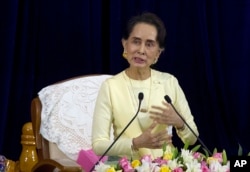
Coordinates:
117	102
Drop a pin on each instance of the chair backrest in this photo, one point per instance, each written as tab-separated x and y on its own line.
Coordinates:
42	144
62	114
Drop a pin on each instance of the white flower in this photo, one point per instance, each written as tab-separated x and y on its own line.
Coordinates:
193	166
174	164
101	167
148	167
215	166
187	156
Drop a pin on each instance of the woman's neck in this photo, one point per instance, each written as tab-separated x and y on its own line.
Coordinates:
138	74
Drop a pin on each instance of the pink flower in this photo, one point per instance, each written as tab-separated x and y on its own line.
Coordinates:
197	155
204	167
178	169
160	161
218	156
147	158
125	165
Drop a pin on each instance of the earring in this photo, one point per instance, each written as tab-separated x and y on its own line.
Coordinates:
124	54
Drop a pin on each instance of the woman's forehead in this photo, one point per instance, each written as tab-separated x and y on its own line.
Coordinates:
144	31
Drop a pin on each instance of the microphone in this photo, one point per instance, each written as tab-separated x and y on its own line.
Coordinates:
167	98
140	97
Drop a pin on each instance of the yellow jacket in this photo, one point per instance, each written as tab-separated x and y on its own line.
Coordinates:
115	107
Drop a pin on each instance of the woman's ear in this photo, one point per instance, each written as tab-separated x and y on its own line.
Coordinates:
124	42
159	53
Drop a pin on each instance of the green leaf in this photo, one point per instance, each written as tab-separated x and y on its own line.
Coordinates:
175	152
196	148
164	148
206	152
240	151
186	146
224	157
215	151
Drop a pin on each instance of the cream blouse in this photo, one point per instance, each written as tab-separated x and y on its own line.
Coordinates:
117	103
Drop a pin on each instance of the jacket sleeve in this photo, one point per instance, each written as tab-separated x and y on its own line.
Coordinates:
182	106
102	127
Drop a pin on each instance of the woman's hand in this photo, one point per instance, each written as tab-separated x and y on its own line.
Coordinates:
151	140
166	115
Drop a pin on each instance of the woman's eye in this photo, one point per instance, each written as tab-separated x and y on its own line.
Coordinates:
136	41
149	44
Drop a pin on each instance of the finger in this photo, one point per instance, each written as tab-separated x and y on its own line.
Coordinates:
162	132
153	125
155	113
159	143
155	117
164	135
161	138
166	104
156	141
160	119
158	108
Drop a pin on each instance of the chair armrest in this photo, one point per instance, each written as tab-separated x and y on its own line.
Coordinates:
11	166
62	165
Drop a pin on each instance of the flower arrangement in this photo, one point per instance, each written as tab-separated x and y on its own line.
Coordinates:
172	160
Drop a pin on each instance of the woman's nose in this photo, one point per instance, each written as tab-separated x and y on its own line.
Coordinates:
141	50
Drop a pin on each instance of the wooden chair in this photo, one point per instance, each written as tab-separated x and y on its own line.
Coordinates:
58	160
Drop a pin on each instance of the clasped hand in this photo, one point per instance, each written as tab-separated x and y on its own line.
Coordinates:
149	139
160	115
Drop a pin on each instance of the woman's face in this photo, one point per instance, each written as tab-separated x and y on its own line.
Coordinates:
141	46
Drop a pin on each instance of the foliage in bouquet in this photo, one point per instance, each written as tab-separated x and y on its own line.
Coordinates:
173	160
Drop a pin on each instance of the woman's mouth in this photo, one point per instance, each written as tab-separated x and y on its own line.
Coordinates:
139	60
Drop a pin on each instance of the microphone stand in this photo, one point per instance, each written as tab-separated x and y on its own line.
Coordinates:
140	97
167	98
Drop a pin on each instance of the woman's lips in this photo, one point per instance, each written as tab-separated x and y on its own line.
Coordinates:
139	60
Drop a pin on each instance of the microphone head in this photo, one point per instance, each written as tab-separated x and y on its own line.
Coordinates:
167	98
140	96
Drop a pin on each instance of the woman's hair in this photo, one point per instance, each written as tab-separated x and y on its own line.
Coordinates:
148	18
